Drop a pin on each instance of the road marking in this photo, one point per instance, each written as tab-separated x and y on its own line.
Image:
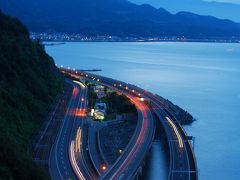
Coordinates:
59	137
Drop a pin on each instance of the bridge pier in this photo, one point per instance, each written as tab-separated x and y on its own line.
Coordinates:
139	172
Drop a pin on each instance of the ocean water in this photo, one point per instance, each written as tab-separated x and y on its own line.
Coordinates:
203	78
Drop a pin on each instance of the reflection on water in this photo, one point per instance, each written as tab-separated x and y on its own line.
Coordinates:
156	166
203	78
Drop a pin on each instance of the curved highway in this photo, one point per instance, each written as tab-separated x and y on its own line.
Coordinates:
127	164
63	162
182	159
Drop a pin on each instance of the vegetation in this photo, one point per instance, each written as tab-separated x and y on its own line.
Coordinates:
92	96
118	103
29	83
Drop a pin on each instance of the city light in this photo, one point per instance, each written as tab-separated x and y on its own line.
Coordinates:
120	151
92	112
80	112
142	99
104	167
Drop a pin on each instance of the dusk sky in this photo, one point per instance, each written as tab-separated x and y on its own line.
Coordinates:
232	1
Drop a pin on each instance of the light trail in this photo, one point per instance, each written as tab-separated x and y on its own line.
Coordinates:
79	83
78	140
75	92
74	162
139	141
79	112
180	141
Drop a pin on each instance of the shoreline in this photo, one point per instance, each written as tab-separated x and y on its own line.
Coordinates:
145	41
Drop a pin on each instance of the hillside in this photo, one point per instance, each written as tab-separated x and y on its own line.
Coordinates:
116	18
29	82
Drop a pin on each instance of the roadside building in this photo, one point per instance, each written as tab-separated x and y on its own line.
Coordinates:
100	91
100	110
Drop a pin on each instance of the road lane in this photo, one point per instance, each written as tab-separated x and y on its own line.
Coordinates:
59	164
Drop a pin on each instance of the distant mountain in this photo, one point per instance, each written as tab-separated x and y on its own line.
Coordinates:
220	10
117	18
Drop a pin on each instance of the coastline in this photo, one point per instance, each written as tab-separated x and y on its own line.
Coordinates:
63	37
139	41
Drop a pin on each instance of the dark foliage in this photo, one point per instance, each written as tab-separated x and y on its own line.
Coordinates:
29	82
119	103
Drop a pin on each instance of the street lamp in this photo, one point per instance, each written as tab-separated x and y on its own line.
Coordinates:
104	167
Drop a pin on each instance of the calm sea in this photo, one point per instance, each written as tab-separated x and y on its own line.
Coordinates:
203	78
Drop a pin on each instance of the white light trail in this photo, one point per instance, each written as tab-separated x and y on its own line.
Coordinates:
79	83
74	162
180	141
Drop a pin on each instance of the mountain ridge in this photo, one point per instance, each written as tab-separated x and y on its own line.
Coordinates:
116	18
222	10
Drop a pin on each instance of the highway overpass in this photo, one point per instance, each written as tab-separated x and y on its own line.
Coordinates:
182	159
